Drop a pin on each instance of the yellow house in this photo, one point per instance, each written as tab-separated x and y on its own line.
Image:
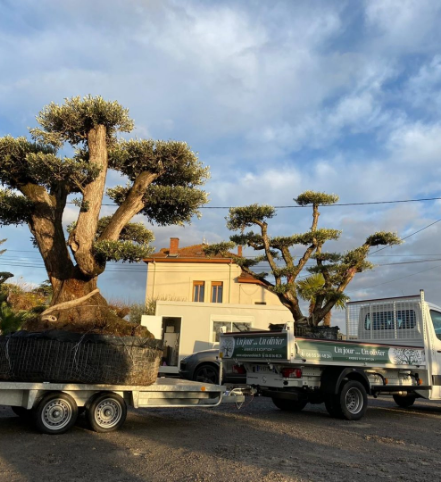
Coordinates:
187	274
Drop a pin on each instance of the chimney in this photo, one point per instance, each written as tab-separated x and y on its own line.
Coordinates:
174	246
239	251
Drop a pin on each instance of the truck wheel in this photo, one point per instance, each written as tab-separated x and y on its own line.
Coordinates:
56	413
106	412
404	401
206	374
352	400
289	405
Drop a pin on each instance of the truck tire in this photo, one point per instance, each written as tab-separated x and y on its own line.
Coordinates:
56	413
289	405
206	374
106	412
352	400
404	401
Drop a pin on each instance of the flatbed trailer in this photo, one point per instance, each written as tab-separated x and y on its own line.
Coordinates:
393	346
54	407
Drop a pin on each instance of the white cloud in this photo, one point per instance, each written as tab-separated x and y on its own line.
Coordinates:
406	25
417	146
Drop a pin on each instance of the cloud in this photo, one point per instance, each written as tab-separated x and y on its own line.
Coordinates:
404	25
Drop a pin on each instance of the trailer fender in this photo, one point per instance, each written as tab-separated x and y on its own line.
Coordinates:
332	378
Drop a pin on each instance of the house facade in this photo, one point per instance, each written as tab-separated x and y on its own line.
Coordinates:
187	274
197	297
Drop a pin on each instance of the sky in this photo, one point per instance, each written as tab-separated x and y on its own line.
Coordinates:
277	97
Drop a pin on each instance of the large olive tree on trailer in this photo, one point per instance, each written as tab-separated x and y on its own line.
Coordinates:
163	184
337	269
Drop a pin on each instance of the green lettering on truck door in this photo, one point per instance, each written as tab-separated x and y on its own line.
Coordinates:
274	347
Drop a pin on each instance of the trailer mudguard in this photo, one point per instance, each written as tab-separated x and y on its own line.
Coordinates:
332	378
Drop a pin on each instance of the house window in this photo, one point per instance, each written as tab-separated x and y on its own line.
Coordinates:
198	291
228	326
216	291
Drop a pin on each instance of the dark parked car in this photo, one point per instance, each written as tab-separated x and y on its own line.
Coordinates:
203	366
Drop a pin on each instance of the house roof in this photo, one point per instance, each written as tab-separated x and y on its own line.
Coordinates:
248	278
195	254
189	254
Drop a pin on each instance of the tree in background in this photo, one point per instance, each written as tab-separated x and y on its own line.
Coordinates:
4	275
163	184
337	269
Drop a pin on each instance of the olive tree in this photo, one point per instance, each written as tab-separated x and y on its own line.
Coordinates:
337	269
163	183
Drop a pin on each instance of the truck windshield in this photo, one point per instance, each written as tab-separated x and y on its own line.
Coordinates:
436	320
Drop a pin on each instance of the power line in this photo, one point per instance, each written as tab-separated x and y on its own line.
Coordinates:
407	276
291	206
409	236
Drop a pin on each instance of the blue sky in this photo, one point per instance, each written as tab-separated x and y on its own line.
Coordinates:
276	97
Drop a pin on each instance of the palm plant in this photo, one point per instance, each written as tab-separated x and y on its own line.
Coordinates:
312	286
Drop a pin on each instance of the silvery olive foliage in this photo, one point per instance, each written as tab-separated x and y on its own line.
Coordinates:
163	183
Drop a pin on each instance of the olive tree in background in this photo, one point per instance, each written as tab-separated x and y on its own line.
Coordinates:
337	269
163	183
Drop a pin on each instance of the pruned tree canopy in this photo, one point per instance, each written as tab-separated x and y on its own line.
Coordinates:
164	180
333	271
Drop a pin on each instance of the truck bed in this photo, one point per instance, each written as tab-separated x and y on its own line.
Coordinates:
283	347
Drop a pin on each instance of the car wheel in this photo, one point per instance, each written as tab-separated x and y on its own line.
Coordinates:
206	374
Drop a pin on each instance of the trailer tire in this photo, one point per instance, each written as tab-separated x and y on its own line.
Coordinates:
404	401
289	405
56	413
206	373
106	412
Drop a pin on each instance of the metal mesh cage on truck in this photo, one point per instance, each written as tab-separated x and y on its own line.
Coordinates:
389	319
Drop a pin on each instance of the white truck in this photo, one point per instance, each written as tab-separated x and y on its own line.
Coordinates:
392	346
54	407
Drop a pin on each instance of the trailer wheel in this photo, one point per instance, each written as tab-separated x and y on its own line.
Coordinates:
206	374
353	400
289	405
56	413
106	412
404	401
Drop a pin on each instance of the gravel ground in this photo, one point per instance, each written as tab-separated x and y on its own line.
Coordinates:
258	442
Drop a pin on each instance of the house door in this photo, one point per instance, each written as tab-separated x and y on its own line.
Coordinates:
171	329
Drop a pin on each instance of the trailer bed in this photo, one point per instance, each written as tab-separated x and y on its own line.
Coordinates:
165	392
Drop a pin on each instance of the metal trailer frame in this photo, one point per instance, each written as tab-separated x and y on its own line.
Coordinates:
54	406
